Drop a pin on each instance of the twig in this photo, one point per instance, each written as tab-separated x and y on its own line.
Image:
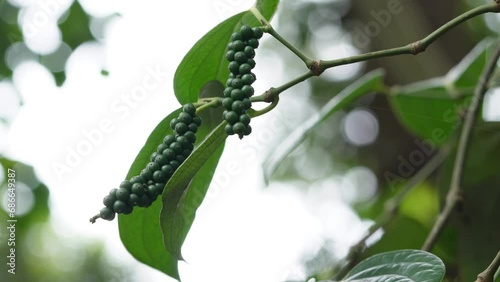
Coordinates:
454	194
488	274
391	209
316	67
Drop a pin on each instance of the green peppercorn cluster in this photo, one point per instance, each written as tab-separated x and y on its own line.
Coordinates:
143	189
239	88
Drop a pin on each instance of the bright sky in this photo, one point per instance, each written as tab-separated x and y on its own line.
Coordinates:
82	138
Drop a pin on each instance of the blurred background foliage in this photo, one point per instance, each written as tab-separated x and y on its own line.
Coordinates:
325	29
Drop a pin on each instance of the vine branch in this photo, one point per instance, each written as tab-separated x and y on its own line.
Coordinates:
391	209
318	66
454	194
488	274
417	46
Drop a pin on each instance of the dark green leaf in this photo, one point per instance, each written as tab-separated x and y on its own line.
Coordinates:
466	74
180	200
206	60
399	266
477	236
370	82
140	231
430	109
427	110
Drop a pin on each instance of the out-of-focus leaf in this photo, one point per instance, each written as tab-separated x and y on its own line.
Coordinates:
466	74
370	82
399	266
206	60
477	241
427	110
431	108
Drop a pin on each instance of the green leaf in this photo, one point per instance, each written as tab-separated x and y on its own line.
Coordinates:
402	265
183	194
206	60
140	231
370	82
427	110
466	73
430	109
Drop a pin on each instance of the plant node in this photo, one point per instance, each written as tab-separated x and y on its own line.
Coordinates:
316	68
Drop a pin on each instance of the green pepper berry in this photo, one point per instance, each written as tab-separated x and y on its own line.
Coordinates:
159	176
122	194
236	36
128	209
126	184
189	109
183	141
237	94
159	188
137	179
245	119
234	67
197	121
229	129
146	174
251	62
119	206
175	164
257	32
238	107
238	45
248	130
168	140
138	189
168	170
108	201
107	213
246	32
230	55
254	43
161	160
176	147
144	201
247	91
249	51
133	199
247	103
187	152
245	68
227	90
161	147
190	136
153	156
237	83
169	153
152	166
231	117
193	127
173	123
230	46
240	57
180	128
227	103
248	79
180	158
185	118
239	128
